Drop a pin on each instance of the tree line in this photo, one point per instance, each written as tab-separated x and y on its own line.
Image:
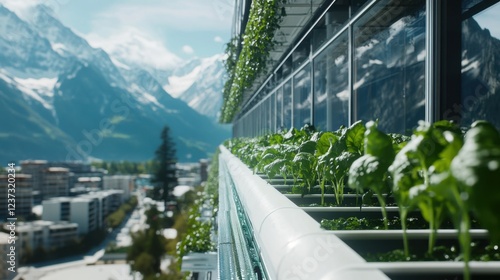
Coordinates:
126	167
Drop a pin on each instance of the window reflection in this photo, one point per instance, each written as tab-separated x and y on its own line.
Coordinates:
331	23
302	97
480	65
331	92
389	65
279	110
272	116
287	104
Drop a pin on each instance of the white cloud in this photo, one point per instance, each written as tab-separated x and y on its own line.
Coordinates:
187	49
176	14
218	39
133	47
23	8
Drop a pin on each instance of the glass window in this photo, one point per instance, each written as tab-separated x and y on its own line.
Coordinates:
356	5
480	65
287	104
279	108
302	97
286	68
389	65
330	24
272	116
331	92
301	53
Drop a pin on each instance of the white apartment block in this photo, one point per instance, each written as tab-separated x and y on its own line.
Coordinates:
48	235
126	183
4	258
88	211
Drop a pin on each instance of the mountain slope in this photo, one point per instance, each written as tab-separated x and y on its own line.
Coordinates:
45	138
64	100
199	83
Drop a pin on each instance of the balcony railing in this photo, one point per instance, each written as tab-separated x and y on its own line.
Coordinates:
263	235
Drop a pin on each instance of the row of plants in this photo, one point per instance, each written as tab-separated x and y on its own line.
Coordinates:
200	230
246	62
440	170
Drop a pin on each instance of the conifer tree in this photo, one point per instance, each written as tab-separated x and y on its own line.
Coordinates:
165	175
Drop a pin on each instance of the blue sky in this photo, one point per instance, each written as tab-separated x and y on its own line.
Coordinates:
174	29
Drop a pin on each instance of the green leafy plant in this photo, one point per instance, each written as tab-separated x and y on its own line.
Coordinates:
370	170
476	170
416	169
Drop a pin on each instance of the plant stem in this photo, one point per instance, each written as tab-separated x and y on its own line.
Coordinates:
464	236
403	213
381	200
432	227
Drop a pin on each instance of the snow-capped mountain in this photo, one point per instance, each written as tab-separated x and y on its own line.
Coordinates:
66	100
199	83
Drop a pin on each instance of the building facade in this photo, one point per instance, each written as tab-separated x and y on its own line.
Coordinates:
89	211
397	61
55	182
46	235
125	183
5	259
23	195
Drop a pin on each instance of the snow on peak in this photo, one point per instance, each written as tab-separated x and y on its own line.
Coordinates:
133	48
59	48
41	90
178	84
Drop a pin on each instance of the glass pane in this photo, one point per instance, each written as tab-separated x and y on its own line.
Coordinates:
302	97
330	24
481	67
301	53
279	109
357	5
389	65
272	116
287	104
331	92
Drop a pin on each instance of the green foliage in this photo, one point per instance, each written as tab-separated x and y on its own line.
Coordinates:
434	170
116	218
370	170
244	66
477	171
196	233
125	167
165	173
148	246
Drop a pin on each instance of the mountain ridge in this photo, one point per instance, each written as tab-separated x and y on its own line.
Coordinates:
66	100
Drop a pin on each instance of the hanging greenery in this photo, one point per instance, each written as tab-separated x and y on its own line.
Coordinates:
256	44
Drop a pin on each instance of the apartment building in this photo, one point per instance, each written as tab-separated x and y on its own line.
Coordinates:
23	195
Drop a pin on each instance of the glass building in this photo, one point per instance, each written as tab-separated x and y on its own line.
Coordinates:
398	61
335	63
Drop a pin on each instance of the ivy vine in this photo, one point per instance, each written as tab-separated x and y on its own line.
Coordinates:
256	44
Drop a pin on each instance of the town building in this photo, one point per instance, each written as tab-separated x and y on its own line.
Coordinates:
46	235
125	183
88	211
23	195
5	259
55	182
52	179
